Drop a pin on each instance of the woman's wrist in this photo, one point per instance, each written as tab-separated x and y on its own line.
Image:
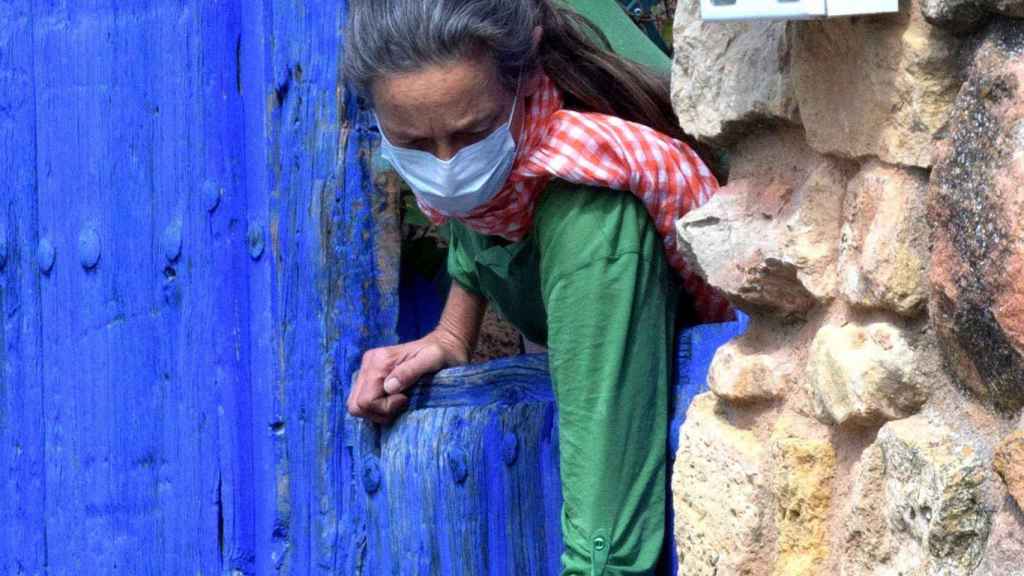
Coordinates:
459	327
457	350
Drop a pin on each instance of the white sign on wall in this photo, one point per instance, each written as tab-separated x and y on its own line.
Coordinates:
791	9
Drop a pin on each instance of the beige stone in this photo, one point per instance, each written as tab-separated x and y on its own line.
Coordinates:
875	86
771	244
937	503
863	374
865	539
803	468
1009	463
720	500
728	77
884	249
740	375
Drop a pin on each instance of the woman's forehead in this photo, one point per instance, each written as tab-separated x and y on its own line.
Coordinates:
462	88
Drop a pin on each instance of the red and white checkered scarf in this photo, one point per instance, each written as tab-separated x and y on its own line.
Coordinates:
605	151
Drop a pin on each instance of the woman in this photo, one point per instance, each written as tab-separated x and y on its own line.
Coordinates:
550	156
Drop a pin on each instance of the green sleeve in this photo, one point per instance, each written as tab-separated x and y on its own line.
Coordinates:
610	301
460	263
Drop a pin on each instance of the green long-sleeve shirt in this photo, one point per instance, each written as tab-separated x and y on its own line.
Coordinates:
591	283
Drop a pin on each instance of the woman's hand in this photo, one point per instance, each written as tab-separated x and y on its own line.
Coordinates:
386	374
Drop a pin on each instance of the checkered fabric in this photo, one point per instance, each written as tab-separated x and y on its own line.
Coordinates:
600	150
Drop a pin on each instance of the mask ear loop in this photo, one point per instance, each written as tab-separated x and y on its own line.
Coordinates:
515	103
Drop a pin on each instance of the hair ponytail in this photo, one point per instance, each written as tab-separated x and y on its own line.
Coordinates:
578	58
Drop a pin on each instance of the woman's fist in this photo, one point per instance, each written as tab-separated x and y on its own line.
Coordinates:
386	374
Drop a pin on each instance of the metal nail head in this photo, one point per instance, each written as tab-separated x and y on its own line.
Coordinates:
509	448
171	241
211	195
46	255
255	239
458	462
89	248
371	475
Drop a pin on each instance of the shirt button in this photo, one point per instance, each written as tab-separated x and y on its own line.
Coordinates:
599	543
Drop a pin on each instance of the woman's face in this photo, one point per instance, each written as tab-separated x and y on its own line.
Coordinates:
444	108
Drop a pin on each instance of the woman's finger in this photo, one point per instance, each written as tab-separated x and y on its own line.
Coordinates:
426	360
369	381
389	407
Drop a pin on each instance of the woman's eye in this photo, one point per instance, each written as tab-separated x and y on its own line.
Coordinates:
474	135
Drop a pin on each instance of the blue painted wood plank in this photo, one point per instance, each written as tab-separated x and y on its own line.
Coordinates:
467	482
292	67
98	375
259	449
144	374
22	431
198	184
362	314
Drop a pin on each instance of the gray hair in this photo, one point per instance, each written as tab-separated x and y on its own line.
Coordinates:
396	36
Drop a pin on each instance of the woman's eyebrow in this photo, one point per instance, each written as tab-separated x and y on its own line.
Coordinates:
473	123
481	122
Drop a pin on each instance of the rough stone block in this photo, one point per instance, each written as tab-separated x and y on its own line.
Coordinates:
741	376
719	493
866	539
1005	548
1009	463
976	211
728	77
884	249
965	15
863	374
771	243
803	468
936	502
875	86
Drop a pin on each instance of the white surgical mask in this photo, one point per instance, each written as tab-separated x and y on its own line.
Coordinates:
466	181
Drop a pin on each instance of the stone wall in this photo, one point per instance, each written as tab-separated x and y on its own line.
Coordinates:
870	421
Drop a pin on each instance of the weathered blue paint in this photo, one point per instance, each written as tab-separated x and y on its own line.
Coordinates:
22	423
451	500
188	255
466	482
193	257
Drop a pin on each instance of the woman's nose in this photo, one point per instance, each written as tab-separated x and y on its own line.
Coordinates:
445	150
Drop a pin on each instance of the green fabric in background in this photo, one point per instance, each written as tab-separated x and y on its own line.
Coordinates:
626	38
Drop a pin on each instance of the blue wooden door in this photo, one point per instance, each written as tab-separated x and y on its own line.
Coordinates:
190	270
